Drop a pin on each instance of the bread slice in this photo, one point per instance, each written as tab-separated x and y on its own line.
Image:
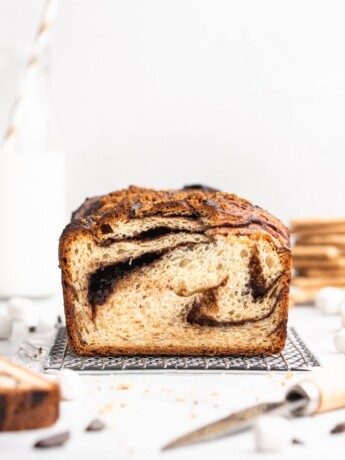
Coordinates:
194	271
27	400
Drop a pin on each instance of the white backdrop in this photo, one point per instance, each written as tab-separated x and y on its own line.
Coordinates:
245	96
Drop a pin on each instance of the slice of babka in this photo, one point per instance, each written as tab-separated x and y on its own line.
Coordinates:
193	271
27	400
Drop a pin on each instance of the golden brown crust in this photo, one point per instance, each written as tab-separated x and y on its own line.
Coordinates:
215	209
218	212
28	408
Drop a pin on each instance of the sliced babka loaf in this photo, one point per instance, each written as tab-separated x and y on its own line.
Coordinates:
193	271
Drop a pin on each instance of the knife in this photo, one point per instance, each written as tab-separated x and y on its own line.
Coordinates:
322	391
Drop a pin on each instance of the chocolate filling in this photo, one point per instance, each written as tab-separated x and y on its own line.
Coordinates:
103	281
258	284
204	308
38	396
147	235
3	409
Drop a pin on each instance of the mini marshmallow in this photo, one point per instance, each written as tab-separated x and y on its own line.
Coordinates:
22	309
339	341
71	384
271	433
5	325
329	299
43	327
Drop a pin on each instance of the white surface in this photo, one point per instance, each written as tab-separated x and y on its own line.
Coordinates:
246	96
71	384
156	408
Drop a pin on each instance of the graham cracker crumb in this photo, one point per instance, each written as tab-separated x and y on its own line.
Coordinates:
289	375
124	386
107	408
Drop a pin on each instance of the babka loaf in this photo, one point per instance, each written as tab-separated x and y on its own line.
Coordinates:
193	271
27	400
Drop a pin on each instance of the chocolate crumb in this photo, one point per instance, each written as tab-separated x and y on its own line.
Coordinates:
32	329
297	441
53	441
95	425
59	319
40	350
340	428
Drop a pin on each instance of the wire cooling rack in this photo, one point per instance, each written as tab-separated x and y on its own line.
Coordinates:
295	357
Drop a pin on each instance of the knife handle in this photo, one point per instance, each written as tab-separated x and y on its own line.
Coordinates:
324	390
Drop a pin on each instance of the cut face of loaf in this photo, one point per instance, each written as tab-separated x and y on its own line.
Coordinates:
186	272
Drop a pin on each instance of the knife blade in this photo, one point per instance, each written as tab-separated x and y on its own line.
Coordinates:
322	391
234	423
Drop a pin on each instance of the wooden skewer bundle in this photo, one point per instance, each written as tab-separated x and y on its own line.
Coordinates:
318	256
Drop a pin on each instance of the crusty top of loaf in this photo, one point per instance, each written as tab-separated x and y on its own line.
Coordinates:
212	207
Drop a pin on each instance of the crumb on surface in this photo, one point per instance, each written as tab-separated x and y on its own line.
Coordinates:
289	375
214	393
124	386
179	399
109	407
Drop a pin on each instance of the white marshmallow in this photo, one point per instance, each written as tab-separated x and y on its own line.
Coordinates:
342	314
339	341
71	384
23	309
5	325
329	299
272	433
